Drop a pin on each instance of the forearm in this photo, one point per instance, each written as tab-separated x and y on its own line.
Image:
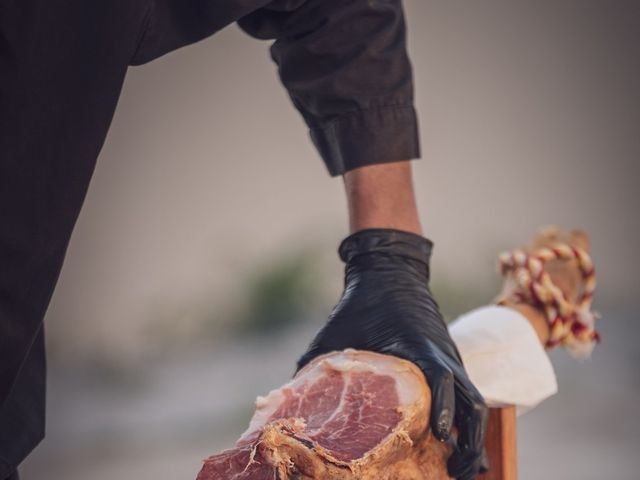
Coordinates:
382	196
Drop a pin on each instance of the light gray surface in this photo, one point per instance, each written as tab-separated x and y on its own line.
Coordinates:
175	412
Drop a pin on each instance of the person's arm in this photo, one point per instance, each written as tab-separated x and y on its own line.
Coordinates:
346	68
382	196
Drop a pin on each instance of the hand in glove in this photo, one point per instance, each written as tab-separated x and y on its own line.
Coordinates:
387	307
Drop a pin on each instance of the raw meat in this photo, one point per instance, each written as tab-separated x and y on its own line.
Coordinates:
346	415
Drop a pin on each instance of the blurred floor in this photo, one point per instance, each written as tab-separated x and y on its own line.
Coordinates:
168	415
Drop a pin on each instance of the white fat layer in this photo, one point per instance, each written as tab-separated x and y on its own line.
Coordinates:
353	361
265	407
347	362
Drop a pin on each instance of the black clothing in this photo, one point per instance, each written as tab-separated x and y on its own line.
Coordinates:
62	64
13	476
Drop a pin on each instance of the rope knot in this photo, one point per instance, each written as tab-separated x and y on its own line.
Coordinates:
571	323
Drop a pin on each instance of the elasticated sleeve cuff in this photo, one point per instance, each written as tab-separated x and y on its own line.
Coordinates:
368	137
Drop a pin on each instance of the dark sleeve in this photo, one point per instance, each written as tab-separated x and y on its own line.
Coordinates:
345	66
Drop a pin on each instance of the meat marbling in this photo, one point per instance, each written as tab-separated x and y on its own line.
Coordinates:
346	415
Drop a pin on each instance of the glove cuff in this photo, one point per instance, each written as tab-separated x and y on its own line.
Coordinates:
386	241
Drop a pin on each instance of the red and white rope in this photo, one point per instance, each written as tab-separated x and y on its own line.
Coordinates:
572	324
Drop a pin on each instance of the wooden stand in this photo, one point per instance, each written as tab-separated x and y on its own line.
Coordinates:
501	445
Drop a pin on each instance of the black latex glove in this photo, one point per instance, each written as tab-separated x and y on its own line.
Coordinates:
387	307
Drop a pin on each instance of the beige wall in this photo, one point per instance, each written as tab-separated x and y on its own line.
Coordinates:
529	115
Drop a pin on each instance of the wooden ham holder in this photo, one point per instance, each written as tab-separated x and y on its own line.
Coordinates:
501	444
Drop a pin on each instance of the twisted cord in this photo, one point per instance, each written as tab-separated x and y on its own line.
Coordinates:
571	324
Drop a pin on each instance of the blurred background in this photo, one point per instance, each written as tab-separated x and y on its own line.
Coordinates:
204	258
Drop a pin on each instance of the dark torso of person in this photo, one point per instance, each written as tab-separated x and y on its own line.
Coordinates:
62	64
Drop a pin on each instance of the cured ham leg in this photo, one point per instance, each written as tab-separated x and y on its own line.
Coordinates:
346	415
